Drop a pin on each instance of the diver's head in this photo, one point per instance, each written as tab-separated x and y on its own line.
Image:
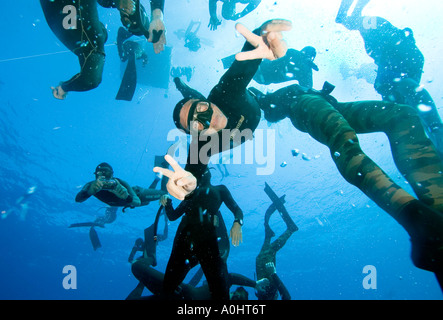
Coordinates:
309	52
104	170
228	10
199	115
239	294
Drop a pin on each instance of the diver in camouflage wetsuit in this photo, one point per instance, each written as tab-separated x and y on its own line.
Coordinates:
336	125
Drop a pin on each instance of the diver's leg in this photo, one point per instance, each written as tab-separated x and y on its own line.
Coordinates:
152	279
413	153
178	265
420	98
281	240
137	292
313	114
214	267
90	75
417	159
345	5
276	105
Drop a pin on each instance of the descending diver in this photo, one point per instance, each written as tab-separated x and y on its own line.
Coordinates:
268	280
294	65
21	206
198	236
229	108
115	192
81	31
336	125
400	64
148	247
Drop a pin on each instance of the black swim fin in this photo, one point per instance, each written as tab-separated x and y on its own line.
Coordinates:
129	81
86	224
279	205
95	241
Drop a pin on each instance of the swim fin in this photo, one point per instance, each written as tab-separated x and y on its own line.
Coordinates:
279	204
95	241
86	224
129	81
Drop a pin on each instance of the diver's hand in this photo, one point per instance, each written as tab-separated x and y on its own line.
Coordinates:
158	26
270	267
164	200
120	191
181	182
236	234
59	93
213	23
270	45
95	186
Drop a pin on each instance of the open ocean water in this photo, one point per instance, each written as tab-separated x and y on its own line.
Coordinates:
55	146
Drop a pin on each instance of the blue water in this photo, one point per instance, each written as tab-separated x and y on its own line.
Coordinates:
55	146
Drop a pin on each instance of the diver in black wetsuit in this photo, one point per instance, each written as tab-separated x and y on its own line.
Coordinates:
115	192
153	280
86	38
87	41
268	282
295	65
336	125
229	106
149	249
197	238
137	21
400	64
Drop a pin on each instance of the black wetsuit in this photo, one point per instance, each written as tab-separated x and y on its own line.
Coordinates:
106	196
87	41
400	68
197	238
237	104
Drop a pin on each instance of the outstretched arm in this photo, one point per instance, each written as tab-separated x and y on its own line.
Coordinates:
84	193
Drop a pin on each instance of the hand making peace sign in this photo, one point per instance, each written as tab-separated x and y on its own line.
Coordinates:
269	45
181	182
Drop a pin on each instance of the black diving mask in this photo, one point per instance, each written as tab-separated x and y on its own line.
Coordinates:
201	111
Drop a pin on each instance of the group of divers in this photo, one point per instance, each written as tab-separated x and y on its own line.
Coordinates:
415	136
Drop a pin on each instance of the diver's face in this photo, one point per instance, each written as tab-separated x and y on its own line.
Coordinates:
105	173
217	121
